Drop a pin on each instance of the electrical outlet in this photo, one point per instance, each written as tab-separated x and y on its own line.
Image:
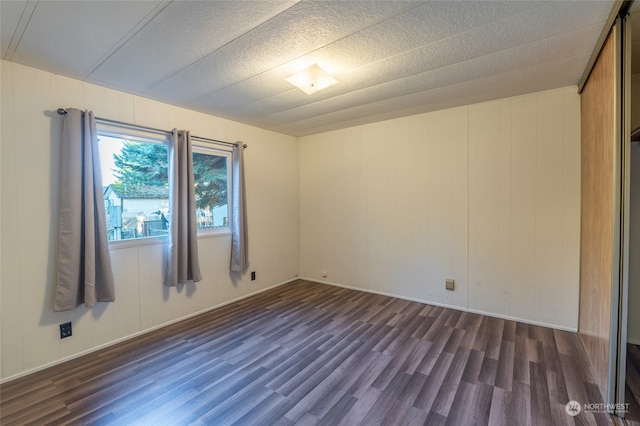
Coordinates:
65	330
324	274
449	284
253	275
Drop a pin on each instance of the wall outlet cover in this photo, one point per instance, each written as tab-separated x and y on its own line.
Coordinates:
449	284
65	330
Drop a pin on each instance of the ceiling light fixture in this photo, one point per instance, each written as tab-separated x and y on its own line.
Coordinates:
312	79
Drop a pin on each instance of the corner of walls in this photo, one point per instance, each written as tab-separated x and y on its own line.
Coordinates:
487	194
8	219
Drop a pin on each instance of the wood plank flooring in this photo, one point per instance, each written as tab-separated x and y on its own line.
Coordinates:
632	384
312	354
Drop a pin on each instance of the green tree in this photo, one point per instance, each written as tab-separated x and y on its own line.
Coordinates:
146	164
141	163
210	173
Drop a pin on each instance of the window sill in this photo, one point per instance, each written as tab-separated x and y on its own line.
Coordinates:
149	241
214	233
137	242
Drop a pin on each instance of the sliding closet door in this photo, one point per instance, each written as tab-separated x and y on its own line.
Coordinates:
600	213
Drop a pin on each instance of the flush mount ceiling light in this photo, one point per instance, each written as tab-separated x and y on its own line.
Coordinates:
312	79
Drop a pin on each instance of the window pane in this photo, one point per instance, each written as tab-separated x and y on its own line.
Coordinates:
210	173
136	187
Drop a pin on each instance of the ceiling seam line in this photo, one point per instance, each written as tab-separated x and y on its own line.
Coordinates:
362	29
412	50
484	54
424	72
309	52
127	37
436	88
168	76
12	48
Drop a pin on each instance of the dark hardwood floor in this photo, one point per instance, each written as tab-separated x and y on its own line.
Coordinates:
307	353
632	384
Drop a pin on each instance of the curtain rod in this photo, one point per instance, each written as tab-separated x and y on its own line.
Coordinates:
62	111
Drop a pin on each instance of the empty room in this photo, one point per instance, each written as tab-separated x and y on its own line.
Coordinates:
319	212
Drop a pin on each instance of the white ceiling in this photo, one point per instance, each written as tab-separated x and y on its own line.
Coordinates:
231	58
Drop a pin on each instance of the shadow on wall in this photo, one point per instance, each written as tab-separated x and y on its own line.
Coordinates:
633	323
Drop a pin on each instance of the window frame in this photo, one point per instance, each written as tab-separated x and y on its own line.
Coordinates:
210	149
135	135
131	132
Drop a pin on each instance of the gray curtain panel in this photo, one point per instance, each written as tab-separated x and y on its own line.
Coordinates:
239	232
83	273
182	262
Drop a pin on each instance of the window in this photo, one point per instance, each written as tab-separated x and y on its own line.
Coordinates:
212	187
136	184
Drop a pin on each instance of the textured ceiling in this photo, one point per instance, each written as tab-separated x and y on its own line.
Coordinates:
231	58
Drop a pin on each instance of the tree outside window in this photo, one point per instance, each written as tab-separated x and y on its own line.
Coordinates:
135	175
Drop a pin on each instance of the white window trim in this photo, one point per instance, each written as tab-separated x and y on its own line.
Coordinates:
151	241
141	135
204	148
115	131
136	135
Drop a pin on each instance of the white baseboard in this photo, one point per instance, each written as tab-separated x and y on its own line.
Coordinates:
382	293
444	305
633	341
138	333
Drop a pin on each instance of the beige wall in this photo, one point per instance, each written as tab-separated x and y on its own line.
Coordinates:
30	137
487	194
